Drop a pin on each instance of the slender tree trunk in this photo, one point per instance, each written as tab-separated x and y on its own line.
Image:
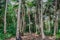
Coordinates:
38	9
5	17
39	18
41	23
29	20
56	18
36	19
23	16
22	22
18	35
21	25
29	23
36	22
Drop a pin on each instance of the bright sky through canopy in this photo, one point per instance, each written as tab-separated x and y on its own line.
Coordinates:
44	0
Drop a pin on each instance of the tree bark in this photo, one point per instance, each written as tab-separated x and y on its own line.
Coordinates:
36	22
18	35
29	19
23	15
56	18
41	23
5	17
37	19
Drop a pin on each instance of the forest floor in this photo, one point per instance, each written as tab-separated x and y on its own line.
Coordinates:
33	36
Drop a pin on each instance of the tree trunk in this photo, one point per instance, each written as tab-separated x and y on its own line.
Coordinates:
38	9
29	20
23	15
56	18
41	23
36	22
5	17
18	35
37	19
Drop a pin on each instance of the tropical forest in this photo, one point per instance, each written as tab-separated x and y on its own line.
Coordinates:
29	19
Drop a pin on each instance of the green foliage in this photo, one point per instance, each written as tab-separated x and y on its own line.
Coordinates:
47	33
12	19
11	29
1	36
